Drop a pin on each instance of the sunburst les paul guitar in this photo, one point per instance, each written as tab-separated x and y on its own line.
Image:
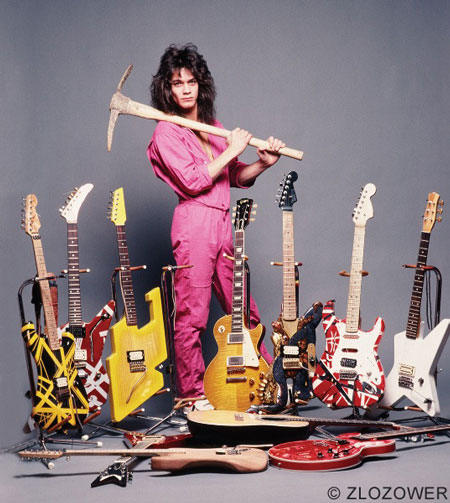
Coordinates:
413	375
89	337
233	377
349	372
136	352
59	397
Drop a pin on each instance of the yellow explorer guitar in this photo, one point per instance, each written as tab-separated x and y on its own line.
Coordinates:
59	399
135	351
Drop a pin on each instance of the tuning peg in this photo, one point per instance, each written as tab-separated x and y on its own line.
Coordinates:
441	202
439	219
252	219
255	205
440	211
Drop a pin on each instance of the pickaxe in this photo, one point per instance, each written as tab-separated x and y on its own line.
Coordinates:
120	104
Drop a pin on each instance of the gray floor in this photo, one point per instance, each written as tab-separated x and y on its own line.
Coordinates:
413	467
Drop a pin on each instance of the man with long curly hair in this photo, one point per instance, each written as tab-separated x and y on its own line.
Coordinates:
200	168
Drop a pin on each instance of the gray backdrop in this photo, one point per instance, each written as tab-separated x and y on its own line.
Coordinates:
360	86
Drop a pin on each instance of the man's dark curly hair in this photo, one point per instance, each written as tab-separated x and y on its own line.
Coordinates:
173	60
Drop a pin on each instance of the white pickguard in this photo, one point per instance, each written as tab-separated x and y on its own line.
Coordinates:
249	356
365	355
419	357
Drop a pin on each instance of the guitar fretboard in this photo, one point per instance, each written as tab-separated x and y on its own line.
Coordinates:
237	314
412	326
354	291
126	283
50	320
75	316
289	298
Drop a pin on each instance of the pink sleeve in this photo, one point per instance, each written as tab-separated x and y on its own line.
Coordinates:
175	164
235	166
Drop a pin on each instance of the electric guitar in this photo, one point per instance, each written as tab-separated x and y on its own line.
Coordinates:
413	375
136	352
346	451
233	377
350	372
294	349
59	399
89	337
236	459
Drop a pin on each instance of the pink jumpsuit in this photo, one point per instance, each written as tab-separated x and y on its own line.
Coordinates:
201	233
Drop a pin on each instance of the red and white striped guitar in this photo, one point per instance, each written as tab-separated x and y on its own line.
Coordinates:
89	337
350	372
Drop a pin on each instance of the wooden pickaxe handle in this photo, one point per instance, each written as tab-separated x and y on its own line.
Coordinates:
121	104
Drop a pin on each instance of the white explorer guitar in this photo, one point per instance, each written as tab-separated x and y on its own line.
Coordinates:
413	375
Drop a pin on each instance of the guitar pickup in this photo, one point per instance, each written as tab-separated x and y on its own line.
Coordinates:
80	357
136	360
348	362
235	338
407	370
78	331
235	361
290	351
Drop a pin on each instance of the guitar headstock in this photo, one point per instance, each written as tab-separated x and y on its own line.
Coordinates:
431	210
30	218
364	209
286	196
69	211
242	213
117	213
30	455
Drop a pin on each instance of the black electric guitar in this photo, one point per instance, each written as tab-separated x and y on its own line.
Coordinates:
60	399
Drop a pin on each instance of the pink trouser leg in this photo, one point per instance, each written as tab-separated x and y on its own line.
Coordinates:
200	236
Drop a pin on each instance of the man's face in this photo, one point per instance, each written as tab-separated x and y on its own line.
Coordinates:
184	87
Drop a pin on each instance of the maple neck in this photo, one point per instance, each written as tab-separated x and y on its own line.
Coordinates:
289	294
237	313
412	327
50	319
355	282
73	275
126	282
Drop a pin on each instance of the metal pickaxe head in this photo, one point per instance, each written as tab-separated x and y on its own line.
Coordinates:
117	106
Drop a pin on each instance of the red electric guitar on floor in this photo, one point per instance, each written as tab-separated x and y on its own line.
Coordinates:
89	337
346	451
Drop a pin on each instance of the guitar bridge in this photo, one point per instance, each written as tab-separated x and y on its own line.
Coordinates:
405	382
136	361
61	387
347	375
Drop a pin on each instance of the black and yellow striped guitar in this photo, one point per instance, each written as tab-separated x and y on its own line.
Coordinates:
59	397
